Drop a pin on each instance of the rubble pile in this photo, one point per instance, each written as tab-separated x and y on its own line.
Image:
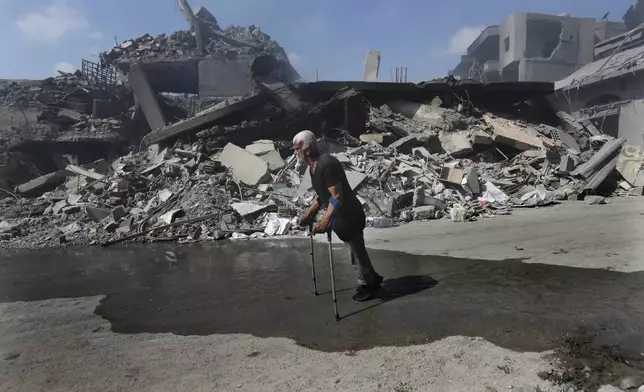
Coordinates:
178	44
62	108
429	163
220	43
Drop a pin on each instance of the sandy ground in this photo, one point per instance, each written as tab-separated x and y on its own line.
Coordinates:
59	345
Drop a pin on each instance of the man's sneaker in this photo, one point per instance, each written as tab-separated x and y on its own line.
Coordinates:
364	294
368	292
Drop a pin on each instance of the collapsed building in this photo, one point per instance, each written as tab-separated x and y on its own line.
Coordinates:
212	113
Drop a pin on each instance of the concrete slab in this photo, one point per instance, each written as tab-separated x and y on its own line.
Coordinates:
457	144
261	147
568	141
508	133
354	178
383	139
97	214
225	78
246	209
406	144
427	114
42	184
452	175
246	167
85	173
146	97
203	119
274	160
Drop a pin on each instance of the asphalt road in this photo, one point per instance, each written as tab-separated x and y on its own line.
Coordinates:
481	298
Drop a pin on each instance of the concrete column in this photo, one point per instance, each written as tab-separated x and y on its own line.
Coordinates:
146	97
371	66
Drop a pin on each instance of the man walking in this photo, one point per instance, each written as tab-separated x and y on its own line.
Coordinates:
344	214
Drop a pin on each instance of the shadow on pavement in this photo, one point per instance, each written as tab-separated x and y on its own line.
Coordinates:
399	287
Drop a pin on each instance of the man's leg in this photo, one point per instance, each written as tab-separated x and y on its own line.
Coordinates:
366	276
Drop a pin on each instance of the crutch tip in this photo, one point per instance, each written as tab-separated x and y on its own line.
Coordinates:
337	318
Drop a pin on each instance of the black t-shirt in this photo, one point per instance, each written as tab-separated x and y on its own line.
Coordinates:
351	218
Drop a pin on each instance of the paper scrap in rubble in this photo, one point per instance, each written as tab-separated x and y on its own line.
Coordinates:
493	194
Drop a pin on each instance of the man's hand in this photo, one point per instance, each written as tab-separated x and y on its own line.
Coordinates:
322	227
310	214
305	220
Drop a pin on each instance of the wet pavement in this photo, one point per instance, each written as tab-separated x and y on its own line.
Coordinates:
264	288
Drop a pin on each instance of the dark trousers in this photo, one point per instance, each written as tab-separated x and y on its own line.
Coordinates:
365	273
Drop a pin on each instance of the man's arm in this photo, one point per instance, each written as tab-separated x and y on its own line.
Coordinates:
325	224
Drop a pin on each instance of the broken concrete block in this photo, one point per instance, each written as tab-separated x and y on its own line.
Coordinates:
274	160
70	229
384	139
438	203
248	168
71	210
425	212
508	133
246	209
58	207
406	144
569	123
42	184
594	200
70	115
97	214
74	199
625	185
85	173
6	227
118	213
452	175
421	151
637	191
482	138
261	147
165	195
170	216
354	178
568	141
456	144
428	114
470	181
567	164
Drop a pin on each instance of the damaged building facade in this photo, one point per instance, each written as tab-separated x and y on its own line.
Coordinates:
532	47
609	91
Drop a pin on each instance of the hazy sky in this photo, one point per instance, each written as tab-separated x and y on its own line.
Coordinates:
330	36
